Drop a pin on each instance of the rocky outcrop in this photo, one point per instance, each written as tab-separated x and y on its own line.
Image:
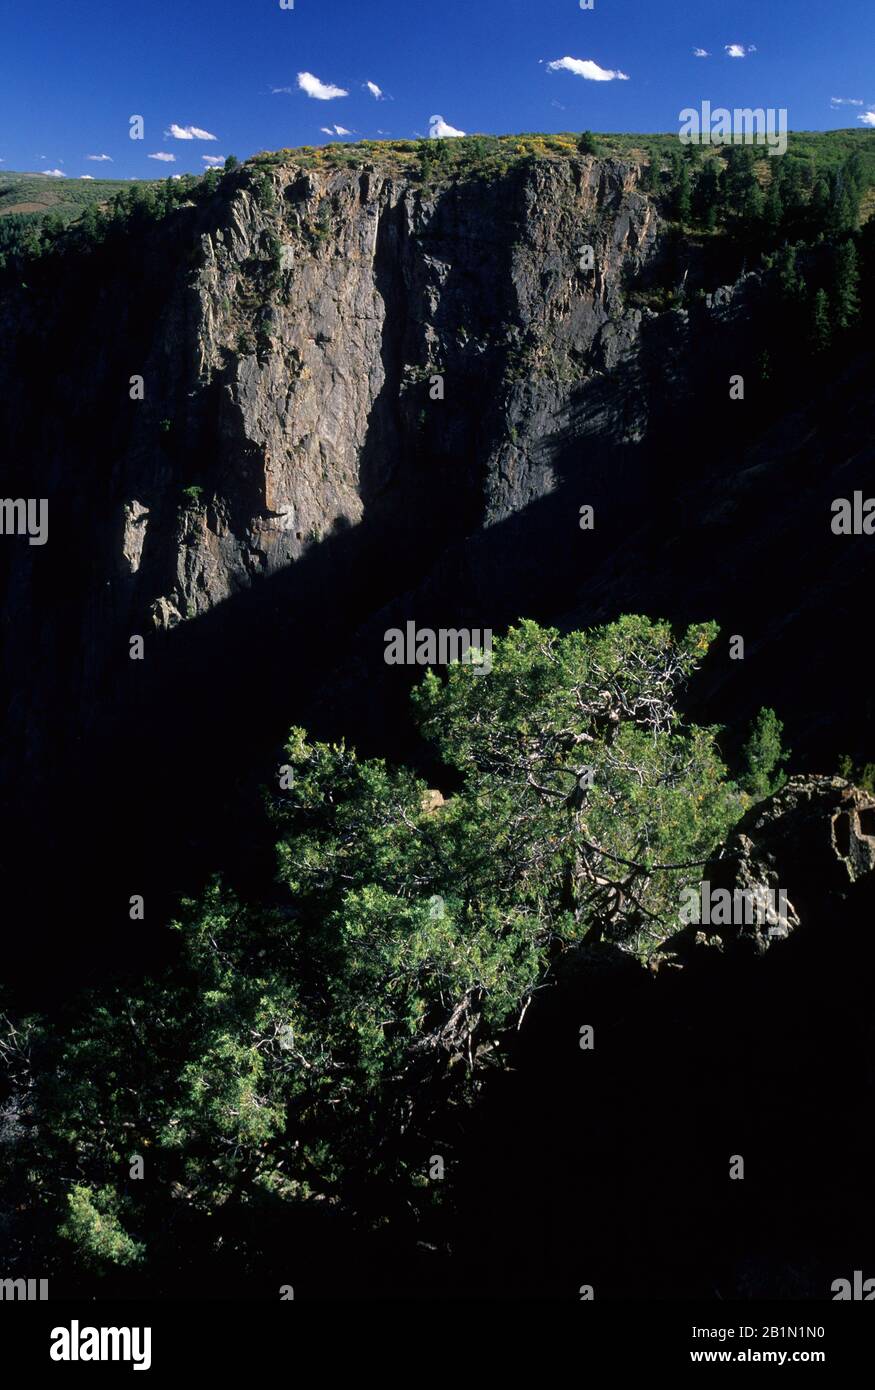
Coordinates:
792	859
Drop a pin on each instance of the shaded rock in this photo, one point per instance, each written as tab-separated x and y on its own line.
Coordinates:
792	858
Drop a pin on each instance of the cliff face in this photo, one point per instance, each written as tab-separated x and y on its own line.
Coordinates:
286	355
364	399
289	388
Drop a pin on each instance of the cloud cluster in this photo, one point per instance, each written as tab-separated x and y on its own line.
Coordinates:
701	53
164	157
844	101
320	91
188	132
867	117
586	68
738	50
439	130
53	173
99	159
375	91
335	130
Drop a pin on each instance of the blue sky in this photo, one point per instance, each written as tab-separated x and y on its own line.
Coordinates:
72	74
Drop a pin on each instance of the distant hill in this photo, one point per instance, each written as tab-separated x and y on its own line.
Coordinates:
38	194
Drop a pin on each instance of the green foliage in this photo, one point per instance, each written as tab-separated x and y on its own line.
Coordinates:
683	195
304	1044
821	153
193	495
19	239
763	757
274	261
706	196
846	285
66	198
820	324
587	144
815	192
264	191
95	1230
107	216
791	285
862	774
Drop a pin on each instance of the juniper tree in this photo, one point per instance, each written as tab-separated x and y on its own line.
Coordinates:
304	1040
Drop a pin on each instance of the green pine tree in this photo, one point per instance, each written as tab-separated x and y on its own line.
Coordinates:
846	285
706	196
682	203
763	757
820	323
791	285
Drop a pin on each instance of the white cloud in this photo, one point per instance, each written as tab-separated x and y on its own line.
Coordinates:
867	117
321	91
335	130
164	157
845	101
53	173
439	130
738	50
275	90
375	91
585	67
189	132
213	159
87	176
701	53
100	158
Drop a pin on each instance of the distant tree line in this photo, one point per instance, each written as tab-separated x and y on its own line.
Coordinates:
801	225
27	238
797	202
